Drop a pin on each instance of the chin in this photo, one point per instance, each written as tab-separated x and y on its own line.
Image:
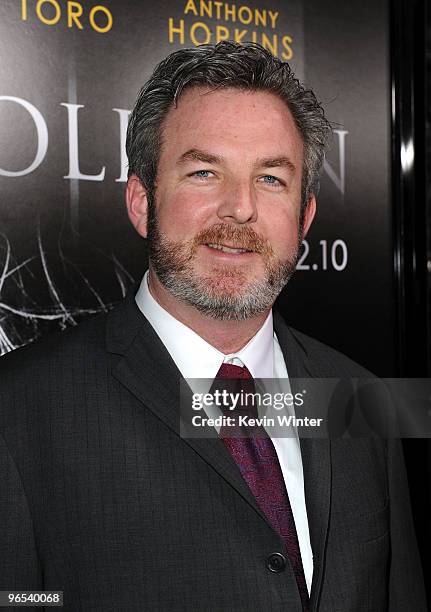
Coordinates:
228	282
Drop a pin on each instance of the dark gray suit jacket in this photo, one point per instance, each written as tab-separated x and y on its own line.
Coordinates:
101	498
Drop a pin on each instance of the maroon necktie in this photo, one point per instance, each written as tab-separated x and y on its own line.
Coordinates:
257	461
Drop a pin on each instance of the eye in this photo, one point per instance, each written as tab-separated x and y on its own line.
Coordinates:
202	174
268	179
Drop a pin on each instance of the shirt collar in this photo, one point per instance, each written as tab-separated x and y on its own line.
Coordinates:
196	358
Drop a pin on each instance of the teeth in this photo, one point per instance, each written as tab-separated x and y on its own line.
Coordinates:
225	249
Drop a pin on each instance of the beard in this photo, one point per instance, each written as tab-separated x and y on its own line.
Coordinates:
226	292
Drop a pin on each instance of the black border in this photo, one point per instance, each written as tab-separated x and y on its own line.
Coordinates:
410	64
411	235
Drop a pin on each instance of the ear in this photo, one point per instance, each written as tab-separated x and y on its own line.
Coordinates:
310	211
137	204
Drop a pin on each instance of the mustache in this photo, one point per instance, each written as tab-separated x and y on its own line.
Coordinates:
239	237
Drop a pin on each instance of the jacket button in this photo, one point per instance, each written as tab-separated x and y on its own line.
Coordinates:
276	562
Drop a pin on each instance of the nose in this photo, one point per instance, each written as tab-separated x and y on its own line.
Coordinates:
238	203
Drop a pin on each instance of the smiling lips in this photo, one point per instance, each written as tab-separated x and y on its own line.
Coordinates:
231	240
227	249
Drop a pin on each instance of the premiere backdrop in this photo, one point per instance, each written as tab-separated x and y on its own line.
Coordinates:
69	75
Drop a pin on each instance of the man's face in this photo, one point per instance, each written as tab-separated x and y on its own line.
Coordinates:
224	227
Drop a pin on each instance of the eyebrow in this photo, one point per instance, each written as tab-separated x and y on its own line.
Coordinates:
276	162
209	158
197	155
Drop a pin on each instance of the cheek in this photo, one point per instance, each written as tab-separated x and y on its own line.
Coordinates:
283	232
183	213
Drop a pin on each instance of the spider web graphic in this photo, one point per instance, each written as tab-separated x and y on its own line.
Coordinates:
50	291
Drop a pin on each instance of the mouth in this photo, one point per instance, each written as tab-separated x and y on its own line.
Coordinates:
228	249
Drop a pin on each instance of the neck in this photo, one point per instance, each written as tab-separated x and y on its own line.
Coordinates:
226	336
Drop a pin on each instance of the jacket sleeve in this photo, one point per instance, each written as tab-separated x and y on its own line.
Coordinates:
406	586
20	569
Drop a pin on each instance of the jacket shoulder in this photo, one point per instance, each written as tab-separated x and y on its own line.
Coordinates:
83	341
329	358
319	359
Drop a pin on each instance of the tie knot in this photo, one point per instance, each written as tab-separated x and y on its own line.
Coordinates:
233	372
239	383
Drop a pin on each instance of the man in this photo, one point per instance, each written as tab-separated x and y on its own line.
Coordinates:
101	497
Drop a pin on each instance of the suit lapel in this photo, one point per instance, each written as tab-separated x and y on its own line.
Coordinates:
145	368
316	457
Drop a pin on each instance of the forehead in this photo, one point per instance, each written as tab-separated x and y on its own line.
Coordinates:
230	120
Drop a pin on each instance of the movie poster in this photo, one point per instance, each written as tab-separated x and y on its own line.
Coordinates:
69	75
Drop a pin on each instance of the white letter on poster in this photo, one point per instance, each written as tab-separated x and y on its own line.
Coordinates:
124	118
338	180
74	171
42	137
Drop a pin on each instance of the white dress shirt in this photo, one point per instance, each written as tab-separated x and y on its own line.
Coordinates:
262	355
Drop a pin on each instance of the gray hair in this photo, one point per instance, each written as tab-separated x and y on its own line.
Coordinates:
245	66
